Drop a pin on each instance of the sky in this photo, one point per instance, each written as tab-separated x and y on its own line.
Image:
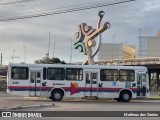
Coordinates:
33	33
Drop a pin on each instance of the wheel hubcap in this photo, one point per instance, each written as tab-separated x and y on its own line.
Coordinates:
57	96
126	96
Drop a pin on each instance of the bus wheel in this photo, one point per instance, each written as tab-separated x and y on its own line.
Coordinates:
118	99
57	95
125	96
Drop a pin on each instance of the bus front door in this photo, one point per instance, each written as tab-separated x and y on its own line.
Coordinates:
35	83
141	85
91	85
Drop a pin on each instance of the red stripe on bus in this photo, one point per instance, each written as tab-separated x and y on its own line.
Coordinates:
68	88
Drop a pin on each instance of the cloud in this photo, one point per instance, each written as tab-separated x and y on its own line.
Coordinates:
125	20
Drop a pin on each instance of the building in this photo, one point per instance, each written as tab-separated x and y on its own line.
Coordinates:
147	53
129	51
109	51
148	46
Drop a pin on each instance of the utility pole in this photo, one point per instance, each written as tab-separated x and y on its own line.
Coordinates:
71	51
47	55
1	60
54	47
24	54
140	35
113	46
13	55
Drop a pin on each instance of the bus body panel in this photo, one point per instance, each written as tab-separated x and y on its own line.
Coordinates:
89	82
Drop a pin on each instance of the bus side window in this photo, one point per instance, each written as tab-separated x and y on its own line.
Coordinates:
55	73
139	78
44	73
126	75
15	76
19	73
88	78
144	77
74	74
94	75
38	74
109	75
32	77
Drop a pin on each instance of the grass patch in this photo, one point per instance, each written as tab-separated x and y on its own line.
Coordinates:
155	97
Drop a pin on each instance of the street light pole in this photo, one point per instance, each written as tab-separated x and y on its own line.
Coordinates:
47	55
71	51
1	60
24	54
140	35
13	55
54	49
113	46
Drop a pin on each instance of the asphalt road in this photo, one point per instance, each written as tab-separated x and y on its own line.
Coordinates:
107	105
103	105
83	105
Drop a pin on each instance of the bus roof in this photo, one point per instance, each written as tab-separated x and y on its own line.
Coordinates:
77	66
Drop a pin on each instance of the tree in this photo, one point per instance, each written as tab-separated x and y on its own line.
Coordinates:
47	60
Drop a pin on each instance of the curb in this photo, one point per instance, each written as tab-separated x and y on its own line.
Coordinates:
146	99
153	98
27	106
36	98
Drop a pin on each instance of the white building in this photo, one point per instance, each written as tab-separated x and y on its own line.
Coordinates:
109	51
148	46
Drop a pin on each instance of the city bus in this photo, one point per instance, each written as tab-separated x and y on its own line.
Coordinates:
58	81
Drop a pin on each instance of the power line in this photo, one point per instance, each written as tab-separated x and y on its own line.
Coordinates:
15	2
73	6
67	10
59	8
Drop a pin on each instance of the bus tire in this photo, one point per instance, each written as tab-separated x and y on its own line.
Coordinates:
125	96
57	95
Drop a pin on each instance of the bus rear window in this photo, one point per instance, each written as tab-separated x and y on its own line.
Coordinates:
19	73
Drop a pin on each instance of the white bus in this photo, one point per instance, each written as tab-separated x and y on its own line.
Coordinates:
57	81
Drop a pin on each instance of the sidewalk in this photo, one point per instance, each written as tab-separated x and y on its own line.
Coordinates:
10	102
